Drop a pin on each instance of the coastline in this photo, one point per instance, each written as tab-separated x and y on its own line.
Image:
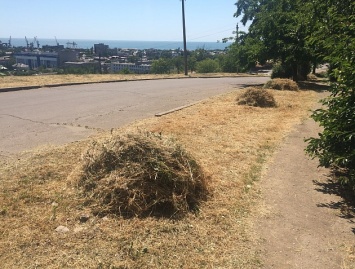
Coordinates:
123	44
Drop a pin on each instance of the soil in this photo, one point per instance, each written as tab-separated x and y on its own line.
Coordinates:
304	222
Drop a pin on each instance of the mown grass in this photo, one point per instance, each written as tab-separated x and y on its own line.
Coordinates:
230	142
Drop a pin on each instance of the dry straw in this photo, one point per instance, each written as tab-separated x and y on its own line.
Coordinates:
281	84
256	97
141	174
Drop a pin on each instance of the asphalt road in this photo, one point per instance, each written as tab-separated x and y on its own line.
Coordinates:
32	118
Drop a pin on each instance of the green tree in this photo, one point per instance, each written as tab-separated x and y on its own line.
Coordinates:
178	63
161	66
335	37
201	54
208	66
191	63
282	29
243	55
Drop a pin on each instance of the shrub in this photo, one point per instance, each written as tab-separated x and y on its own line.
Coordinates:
256	97
141	175
281	84
208	66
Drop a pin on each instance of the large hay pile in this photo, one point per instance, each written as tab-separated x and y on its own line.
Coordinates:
281	84
141	175
256	97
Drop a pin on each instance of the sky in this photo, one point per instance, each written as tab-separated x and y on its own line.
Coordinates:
134	20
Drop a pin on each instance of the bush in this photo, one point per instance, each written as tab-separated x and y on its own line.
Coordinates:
281	84
141	175
256	97
208	66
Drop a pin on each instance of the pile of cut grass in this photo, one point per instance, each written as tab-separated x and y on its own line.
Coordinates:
281	84
141	174
256	97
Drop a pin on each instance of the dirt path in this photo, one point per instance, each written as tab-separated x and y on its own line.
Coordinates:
303	224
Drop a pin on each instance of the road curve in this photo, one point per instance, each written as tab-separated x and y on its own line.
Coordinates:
60	115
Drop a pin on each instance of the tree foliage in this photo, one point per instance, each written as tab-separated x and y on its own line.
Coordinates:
295	33
208	66
281	29
336	38
161	66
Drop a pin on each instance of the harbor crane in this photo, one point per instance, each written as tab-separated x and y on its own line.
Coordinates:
71	45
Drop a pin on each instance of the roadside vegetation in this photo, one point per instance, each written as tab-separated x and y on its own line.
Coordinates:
57	208
297	36
80	205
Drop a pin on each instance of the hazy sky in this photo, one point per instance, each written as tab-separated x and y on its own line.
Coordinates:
148	20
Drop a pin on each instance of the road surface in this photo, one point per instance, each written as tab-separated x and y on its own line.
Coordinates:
31	118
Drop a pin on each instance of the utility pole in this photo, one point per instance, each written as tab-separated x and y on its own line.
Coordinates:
237	42
184	34
237	33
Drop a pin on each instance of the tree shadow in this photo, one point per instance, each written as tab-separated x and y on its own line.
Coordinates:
346	206
317	86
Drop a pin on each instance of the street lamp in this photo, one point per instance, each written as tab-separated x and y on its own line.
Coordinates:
184	34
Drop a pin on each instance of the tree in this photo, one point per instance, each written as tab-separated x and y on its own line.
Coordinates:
161	66
335	37
208	66
281	29
178	63
191	63
243	55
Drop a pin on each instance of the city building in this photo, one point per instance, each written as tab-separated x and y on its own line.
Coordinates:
36	59
101	49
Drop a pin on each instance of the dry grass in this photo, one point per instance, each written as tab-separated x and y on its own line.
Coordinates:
281	84
141	174
45	80
349	260
256	97
230	143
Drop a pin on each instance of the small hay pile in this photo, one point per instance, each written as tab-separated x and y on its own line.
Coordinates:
141	175
281	84
256	97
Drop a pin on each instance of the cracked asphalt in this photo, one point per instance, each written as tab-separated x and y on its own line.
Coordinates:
32	118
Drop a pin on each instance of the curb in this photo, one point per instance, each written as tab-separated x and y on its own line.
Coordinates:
176	109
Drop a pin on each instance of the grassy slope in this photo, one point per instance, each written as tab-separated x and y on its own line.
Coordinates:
231	143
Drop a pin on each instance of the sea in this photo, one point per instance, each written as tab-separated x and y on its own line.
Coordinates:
122	44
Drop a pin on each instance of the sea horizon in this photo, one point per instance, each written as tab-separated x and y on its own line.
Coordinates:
122	44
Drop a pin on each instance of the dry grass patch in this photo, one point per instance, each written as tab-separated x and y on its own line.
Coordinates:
281	84
141	174
229	142
256	97
43	80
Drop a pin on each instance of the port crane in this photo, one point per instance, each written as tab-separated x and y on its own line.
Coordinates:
71	45
27	42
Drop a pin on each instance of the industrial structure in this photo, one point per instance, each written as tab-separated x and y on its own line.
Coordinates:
36	59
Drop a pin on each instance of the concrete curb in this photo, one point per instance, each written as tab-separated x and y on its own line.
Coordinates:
176	109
